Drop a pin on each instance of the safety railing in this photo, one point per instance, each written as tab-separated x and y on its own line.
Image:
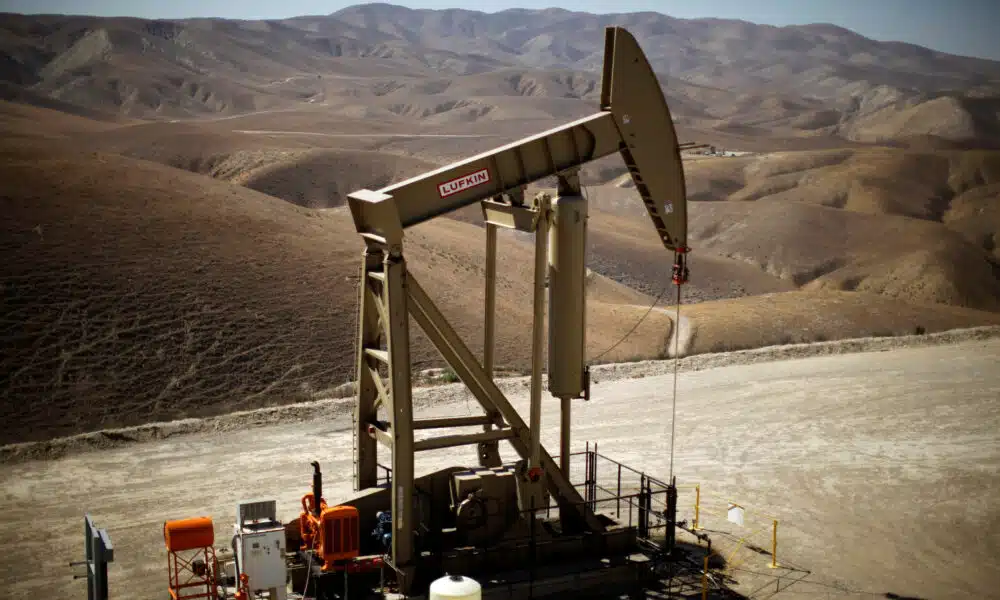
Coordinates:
742	537
620	491
748	528
638	503
740	533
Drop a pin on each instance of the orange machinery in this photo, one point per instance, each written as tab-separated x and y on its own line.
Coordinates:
191	564
332	532
243	589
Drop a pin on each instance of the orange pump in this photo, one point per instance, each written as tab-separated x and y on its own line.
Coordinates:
308	523
333	532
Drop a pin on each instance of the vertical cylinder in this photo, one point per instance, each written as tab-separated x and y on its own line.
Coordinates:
567	296
317	488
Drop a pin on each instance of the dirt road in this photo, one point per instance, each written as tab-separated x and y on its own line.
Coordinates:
883	469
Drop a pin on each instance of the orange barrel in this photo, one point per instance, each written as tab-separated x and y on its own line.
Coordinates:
187	534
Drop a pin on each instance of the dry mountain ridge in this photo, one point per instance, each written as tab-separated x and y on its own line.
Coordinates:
806	80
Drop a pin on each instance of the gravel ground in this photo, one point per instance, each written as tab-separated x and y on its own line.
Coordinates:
882	465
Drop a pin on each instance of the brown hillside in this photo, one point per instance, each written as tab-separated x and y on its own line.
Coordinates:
323	178
812	316
137	292
919	226
947	118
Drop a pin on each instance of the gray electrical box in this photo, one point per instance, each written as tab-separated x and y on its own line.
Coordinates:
260	547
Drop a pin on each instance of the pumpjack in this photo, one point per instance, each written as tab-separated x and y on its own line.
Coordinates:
424	522
523	527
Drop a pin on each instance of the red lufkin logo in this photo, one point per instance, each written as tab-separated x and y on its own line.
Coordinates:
463	183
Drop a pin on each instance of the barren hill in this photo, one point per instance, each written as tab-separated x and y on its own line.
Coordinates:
460	66
135	291
915	225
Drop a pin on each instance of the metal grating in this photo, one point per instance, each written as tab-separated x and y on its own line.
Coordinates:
256	510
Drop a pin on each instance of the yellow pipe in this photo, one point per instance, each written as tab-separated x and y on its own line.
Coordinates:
774	546
697	504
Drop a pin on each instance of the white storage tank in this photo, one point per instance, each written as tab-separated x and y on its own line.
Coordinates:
456	587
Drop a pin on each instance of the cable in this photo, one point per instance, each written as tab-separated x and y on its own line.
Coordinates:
673	409
236	559
586	196
636	326
680	277
305	590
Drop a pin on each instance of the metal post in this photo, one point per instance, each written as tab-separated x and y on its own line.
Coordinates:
593	480
401	419
88	536
370	334
618	495
489	452
704	580
98	552
670	538
537	329
774	546
697	505
534	558
491	289
643	514
564	436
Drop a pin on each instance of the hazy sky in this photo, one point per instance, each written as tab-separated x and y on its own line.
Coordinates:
966	27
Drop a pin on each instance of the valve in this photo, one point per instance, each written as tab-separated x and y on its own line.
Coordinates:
383	529
243	591
680	270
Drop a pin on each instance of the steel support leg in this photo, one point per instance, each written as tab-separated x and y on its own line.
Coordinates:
538	331
370	336
489	452
401	415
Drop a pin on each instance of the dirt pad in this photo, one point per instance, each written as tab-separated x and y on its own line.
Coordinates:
883	469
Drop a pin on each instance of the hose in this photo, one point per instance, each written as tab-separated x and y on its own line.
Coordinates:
236	559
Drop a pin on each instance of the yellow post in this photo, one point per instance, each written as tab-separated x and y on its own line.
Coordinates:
697	504
774	546
704	580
